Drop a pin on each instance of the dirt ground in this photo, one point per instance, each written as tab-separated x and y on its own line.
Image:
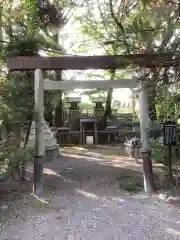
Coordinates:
83	199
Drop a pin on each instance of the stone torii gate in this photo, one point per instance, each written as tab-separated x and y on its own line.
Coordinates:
38	64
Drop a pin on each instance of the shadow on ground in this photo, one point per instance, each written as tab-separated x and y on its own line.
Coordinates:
83	199
93	170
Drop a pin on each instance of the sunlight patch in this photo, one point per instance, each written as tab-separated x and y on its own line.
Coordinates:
41	199
118	199
50	172
87	194
82	157
173	231
79	148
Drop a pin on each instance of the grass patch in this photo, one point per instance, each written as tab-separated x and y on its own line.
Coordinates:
130	185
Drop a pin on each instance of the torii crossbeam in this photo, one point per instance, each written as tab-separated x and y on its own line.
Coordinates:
89	84
148	60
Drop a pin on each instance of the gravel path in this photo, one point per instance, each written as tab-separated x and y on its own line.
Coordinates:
82	201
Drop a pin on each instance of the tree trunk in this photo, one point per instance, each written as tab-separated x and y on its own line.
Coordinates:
1	29
49	115
108	109
58	118
152	105
151	98
23	169
59	113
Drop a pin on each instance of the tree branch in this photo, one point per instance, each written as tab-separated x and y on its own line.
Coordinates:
119	25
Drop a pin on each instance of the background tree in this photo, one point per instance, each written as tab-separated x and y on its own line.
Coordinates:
27	28
134	27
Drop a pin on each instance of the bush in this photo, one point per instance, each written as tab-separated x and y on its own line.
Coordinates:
158	151
156	129
14	159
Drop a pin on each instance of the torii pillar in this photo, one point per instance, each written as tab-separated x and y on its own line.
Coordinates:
39	133
144	127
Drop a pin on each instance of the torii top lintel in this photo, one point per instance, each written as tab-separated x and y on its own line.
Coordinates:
22	63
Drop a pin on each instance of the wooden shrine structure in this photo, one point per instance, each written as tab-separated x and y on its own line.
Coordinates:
37	64
74	107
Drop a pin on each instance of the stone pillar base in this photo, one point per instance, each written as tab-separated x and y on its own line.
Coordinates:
51	153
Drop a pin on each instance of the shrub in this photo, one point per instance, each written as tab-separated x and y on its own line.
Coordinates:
12	158
158	151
